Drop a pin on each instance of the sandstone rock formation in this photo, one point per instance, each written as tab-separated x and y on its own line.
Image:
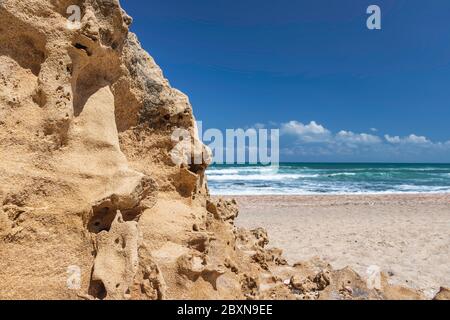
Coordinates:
89	182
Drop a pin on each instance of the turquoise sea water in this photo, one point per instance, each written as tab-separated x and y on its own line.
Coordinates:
328	178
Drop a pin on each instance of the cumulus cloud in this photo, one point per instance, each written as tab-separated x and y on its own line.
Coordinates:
358	138
392	140
314	140
311	132
314	133
409	139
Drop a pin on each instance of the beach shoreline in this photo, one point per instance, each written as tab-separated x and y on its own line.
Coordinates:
406	235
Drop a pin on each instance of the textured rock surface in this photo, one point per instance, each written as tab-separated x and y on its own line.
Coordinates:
86	123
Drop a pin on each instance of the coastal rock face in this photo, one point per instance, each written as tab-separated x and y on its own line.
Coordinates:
98	200
88	181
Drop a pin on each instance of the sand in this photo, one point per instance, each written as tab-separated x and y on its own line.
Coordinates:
407	236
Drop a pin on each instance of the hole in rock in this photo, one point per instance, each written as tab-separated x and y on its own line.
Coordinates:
101	220
97	289
196	168
83	47
104	215
198	244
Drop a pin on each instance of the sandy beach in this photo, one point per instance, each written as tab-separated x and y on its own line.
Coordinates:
407	236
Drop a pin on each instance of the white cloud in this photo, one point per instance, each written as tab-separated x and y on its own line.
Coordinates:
417	139
314	132
392	140
412	138
298	128
315	141
359	138
311	132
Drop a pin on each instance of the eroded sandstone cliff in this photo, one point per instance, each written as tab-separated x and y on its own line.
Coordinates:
88	181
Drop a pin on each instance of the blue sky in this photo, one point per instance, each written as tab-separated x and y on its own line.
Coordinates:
337	91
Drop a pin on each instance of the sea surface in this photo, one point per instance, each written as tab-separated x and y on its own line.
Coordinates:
328	178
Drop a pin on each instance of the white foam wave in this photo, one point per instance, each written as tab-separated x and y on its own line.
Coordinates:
408	187
242	170
259	177
223	171
342	174
296	192
240	180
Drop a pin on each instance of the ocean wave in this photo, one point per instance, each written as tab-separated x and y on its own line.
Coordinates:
304	180
418	188
259	177
342	174
223	171
243	170
267	192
